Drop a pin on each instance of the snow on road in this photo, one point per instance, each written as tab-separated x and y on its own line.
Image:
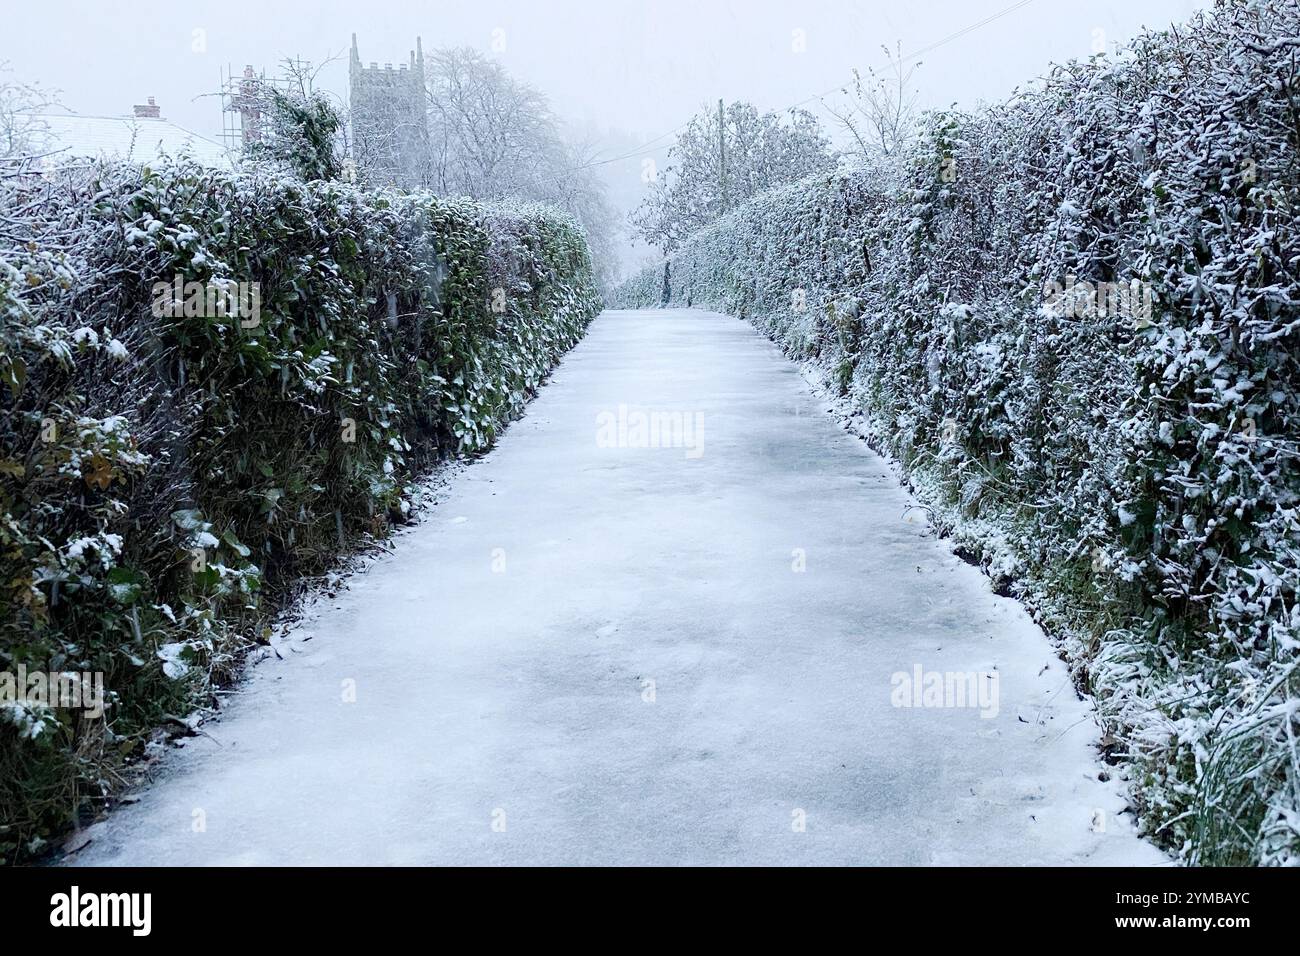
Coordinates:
594	652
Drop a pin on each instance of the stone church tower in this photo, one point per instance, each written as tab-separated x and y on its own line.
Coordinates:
390	126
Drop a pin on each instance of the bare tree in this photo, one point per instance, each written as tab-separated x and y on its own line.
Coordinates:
880	111
492	137
719	162
21	127
490	133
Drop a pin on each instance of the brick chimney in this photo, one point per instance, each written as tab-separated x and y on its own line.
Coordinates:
147	112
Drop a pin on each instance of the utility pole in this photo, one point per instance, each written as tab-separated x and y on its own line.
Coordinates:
722	156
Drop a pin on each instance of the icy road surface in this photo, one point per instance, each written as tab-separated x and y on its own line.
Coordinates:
607	655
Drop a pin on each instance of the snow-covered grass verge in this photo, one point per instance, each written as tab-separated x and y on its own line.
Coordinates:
212	385
1071	318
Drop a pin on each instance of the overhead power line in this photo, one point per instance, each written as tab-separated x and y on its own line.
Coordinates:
644	147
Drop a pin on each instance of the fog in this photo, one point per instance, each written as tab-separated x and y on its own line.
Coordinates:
625	74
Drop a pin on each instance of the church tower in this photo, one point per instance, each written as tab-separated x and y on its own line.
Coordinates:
390	126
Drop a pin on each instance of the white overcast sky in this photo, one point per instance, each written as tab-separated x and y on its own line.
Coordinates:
640	67
623	74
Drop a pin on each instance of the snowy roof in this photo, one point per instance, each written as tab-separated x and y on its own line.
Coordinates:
123	137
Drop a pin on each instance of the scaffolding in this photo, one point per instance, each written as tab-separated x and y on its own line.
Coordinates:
245	104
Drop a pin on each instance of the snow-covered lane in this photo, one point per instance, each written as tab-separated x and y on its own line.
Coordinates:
594	654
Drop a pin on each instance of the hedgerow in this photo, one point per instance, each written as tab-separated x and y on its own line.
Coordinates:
166	478
1130	474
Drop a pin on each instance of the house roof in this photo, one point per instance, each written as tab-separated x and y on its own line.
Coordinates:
75	136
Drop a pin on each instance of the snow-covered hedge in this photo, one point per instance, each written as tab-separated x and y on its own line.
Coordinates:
168	471
1131	472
